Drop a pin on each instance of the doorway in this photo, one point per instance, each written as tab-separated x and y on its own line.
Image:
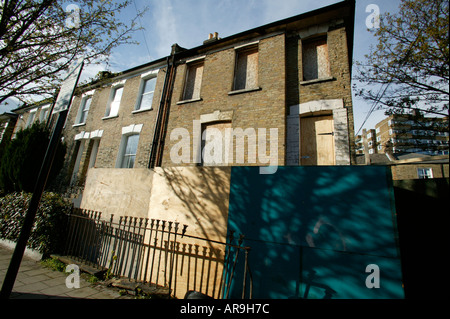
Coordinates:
317	140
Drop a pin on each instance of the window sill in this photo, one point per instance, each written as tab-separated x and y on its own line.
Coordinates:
244	91
190	101
141	110
110	117
79	124
330	78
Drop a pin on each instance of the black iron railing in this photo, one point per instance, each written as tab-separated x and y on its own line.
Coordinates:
159	253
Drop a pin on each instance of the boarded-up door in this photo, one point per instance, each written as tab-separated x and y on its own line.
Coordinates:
317	140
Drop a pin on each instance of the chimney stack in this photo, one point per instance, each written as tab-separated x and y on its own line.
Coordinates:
212	37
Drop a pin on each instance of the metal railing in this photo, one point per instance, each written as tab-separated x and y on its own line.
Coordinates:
159	253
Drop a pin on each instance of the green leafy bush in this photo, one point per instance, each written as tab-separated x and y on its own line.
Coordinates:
22	159
49	229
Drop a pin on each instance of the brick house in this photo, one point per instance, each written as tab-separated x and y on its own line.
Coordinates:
291	76
278	94
29	114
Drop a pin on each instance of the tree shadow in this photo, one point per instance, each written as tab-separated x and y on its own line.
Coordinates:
331	220
203	193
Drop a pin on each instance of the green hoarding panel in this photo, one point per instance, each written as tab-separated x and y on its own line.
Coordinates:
330	221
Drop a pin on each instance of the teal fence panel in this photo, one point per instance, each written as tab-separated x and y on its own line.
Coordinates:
315	230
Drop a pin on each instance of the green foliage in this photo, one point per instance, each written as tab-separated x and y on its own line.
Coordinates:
48	233
54	264
92	279
22	159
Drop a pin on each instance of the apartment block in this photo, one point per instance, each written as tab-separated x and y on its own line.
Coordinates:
405	133
366	141
413	134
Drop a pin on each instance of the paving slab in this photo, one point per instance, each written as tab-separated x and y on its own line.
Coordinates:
34	281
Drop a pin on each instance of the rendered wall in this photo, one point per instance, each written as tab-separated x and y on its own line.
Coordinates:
122	192
195	196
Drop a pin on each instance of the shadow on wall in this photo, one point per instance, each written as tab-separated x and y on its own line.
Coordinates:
195	196
314	230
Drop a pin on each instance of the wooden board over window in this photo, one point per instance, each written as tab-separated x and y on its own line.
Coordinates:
316	63
214	144
193	81
246	74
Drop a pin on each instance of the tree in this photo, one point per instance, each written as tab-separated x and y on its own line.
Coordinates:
22	158
409	67
40	39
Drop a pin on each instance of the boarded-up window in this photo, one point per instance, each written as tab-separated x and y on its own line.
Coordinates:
214	150
246	73
193	81
316	64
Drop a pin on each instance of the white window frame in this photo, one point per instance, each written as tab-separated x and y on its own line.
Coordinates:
424	172
31	117
84	98
133	129
110	112
43	114
145	77
124	157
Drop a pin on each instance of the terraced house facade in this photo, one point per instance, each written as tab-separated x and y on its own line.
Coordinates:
278	94
284	87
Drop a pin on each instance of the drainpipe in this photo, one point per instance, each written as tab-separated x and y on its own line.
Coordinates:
156	130
163	110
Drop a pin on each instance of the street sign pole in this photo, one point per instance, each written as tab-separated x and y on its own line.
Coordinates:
16	258
19	250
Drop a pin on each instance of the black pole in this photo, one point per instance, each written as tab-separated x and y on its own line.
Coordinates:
17	256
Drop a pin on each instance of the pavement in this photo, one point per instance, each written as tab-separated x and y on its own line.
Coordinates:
34	281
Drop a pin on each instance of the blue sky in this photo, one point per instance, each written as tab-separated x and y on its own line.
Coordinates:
188	23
